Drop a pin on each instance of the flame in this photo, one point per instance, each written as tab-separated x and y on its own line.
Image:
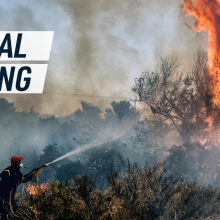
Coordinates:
209	121
206	15
207	18
34	190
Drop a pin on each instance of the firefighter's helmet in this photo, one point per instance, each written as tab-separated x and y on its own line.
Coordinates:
16	159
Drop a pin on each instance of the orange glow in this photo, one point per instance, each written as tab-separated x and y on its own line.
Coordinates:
34	190
206	15
209	121
207	18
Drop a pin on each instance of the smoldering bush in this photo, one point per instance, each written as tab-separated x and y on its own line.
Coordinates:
135	193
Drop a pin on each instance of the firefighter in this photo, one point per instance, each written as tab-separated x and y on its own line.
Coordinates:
10	177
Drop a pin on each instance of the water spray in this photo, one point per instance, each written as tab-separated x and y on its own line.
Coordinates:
98	142
95	143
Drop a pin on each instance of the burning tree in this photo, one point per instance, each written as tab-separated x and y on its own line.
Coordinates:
206	16
188	101
185	102
181	100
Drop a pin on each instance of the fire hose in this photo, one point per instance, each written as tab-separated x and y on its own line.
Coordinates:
21	181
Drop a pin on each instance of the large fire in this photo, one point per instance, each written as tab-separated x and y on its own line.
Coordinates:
206	15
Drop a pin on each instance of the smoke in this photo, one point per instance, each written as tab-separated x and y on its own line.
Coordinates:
99	47
108	135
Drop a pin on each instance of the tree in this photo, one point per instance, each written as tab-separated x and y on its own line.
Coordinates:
109	114
89	113
50	153
7	111
122	109
179	99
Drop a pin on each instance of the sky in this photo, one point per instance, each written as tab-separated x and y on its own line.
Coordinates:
99	47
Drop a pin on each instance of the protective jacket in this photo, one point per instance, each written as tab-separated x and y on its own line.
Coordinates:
9	179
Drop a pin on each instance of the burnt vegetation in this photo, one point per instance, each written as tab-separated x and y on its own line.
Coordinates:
134	193
182	100
173	149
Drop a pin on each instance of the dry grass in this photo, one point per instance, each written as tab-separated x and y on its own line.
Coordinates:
136	193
